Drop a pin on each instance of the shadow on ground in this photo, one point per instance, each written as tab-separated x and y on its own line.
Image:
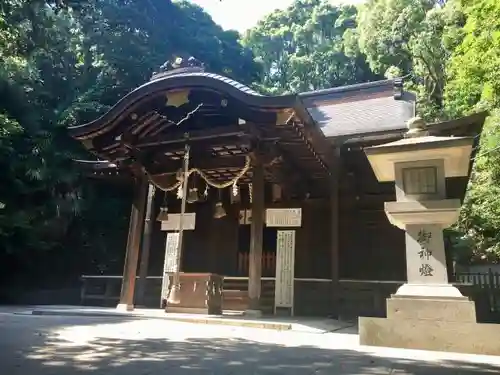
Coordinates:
49	352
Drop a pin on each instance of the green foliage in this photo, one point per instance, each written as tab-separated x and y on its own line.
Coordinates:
473	84
64	63
302	48
474	77
414	39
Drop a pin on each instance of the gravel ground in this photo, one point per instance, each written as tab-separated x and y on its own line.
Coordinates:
57	345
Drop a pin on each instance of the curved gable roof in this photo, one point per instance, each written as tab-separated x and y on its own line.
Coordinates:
340	113
185	80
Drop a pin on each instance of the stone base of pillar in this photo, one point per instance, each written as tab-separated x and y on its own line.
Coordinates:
428	308
124	307
441	336
439	324
253	313
429	290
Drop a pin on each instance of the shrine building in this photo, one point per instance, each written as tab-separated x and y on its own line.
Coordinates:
282	212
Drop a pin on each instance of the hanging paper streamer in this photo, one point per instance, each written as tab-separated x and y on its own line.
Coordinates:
235	196
179	192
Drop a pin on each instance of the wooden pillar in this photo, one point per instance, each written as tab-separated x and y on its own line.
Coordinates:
133	245
256	239
146	246
334	205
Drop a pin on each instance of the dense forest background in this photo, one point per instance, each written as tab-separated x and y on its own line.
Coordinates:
66	62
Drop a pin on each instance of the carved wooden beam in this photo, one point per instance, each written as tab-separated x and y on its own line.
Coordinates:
279	163
181	137
292	176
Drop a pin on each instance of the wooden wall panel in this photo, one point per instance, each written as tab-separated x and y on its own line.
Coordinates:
223	238
195	256
371	248
313	251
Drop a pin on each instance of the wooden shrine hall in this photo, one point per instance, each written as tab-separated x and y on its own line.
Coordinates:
255	203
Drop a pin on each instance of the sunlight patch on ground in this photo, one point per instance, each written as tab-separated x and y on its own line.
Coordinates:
92	346
117	343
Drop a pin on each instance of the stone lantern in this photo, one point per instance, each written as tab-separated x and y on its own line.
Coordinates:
427	312
419	164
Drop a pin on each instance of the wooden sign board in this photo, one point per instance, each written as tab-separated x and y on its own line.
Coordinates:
170	262
172	224
284	217
285	269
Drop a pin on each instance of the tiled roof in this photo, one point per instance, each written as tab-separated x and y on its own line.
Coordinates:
360	109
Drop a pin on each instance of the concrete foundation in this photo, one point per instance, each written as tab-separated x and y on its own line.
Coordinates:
431	324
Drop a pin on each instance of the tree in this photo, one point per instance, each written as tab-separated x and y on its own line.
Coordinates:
302	48
412	39
474	84
60	68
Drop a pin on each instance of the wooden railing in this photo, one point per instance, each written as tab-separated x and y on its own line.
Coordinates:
268	264
104	290
490	279
487	285
368	297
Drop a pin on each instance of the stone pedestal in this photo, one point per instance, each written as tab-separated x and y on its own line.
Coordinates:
452	310
426	264
429	334
427	312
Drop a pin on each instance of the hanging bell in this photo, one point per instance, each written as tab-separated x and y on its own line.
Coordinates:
192	195
163	215
219	211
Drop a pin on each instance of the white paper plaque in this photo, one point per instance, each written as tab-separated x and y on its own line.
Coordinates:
170	263
285	266
174	220
245	217
284	217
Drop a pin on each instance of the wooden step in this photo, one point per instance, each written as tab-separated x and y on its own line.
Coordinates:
234	300
237	300
232	294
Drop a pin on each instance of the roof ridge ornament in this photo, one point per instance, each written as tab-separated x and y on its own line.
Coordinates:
178	65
